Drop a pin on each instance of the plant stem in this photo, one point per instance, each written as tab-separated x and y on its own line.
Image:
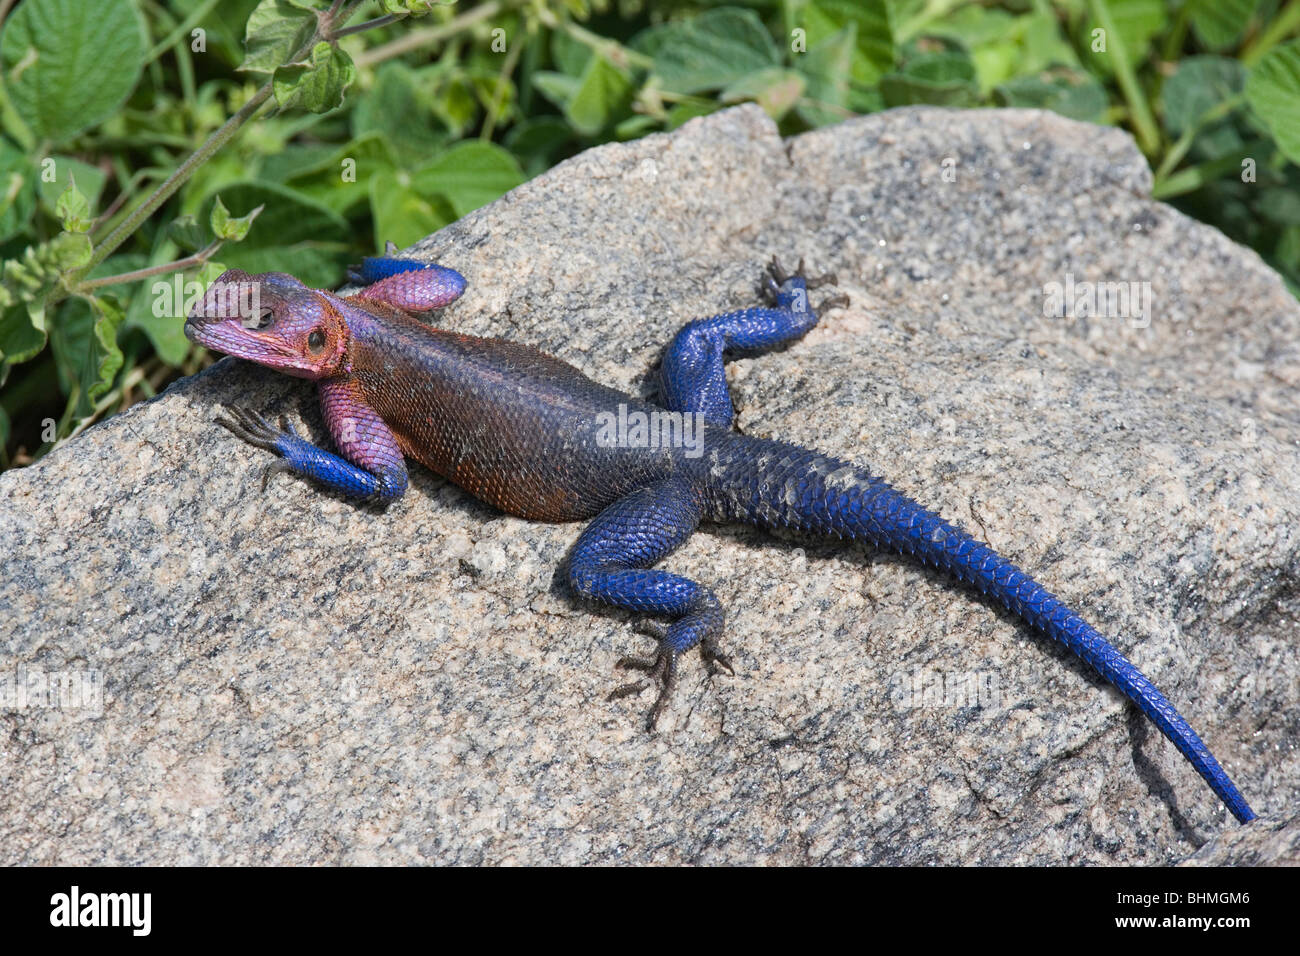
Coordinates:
1286	21
1144	122
1180	148
184	27
418	38
177	179
197	259
219	138
368	25
1194	177
499	90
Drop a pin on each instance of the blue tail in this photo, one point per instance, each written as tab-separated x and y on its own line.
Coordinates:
773	484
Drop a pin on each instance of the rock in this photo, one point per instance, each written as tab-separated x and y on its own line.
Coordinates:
290	678
1272	842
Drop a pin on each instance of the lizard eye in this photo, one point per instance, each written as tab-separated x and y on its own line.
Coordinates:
259	320
316	341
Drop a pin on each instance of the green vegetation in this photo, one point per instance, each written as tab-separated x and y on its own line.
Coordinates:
149	144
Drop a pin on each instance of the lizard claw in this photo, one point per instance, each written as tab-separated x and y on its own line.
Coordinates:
840	301
714	658
251	427
273	469
661	669
777	276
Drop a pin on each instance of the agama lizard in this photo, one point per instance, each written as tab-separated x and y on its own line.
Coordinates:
529	434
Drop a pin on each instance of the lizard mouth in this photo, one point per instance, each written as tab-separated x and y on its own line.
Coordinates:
233	337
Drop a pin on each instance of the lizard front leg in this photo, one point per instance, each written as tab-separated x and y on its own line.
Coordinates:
407	283
373	468
611	563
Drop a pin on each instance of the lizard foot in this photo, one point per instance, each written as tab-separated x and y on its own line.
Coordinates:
248	425
662	668
777	276
253	428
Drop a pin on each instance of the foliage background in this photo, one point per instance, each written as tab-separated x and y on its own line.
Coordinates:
440	112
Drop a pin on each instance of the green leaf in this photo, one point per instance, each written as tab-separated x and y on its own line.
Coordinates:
20	336
470	174
1136	21
1003	46
1287	252
83	339
58	172
186	232
69	250
1220	23
17	199
340	179
408	8
223	26
219	216
827	68
1198	85
684	112
294	234
109	315
569	54
402	215
775	89
559	88
1280	205
73	209
634	127
599	98
455	101
1273	91
874	48
319	86
1071	93
536	141
276	30
224	226
210	271
708	51
396	109
946	78
69	64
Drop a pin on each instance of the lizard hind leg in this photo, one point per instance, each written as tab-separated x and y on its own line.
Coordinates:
612	563
692	376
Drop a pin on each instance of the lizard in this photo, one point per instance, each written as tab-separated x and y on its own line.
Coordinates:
528	433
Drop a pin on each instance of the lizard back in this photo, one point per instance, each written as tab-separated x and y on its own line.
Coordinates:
513	426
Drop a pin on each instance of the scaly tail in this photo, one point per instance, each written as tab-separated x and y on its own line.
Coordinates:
774	484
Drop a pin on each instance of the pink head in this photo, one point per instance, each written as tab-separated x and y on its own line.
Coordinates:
274	320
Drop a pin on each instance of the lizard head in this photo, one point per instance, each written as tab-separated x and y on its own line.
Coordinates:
272	319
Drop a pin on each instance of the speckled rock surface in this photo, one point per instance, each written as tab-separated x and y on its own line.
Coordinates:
1271	842
290	678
